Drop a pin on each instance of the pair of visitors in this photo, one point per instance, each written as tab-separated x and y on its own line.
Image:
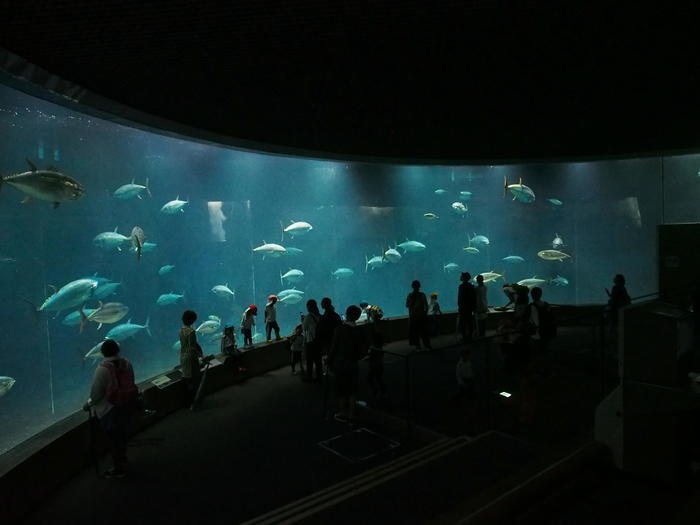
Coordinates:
318	335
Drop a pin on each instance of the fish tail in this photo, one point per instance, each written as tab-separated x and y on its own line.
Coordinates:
282	227
505	186
147	326
366	263
148	190
83	319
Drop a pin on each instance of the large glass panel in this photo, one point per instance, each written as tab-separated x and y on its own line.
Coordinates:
375	228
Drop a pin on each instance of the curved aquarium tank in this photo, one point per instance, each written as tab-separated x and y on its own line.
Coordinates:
133	227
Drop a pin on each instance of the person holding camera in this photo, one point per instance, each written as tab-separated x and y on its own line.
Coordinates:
114	397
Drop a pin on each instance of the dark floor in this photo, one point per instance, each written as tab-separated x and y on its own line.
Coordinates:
254	446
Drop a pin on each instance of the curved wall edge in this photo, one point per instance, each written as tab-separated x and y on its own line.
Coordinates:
29	78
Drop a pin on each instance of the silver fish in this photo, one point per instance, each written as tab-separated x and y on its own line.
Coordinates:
48	185
137	240
107	313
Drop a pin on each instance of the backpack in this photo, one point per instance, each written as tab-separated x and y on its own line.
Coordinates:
121	390
548	322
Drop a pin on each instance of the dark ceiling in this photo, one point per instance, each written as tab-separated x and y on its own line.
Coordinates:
481	79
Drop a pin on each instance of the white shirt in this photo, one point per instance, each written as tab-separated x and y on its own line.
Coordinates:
309	326
247	322
98	390
270	313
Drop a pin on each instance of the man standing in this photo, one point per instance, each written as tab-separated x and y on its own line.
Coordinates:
466	304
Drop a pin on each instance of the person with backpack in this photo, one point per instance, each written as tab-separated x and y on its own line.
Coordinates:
114	397
542	325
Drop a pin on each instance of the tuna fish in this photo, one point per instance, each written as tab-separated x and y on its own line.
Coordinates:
556	202
552	255
392	255
560	281
168	299
472	250
292	298
210	326
126	330
450	267
479	240
531	283
430	216
6	383
105	290
375	262
110	240
289	291
293	251
412	246
129	191
514	259
342	273
172	207
75	293
270	250
292	276
48	185
520	192
465	195
166	269
440	191
223	291
73	318
107	313
297	228
459	208
489	276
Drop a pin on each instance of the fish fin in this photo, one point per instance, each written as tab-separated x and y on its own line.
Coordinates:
99	326
55	205
53	168
26	200
177	198
119	249
31	165
139	197
147	326
116	228
182	211
148	189
52	287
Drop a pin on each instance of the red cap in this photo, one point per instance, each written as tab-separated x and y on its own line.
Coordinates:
272	297
253	307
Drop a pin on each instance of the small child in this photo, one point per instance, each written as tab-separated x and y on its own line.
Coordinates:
229	347
433	312
271	319
247	324
465	376
296	342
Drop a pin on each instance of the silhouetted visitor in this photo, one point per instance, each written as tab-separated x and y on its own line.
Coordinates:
271	319
247	324
543	327
329	321
466	304
617	298
518	296
433	312
312	347
348	346
230	348
482	305
114	396
190	352
296	347
418	328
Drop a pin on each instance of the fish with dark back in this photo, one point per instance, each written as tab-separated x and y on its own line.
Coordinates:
48	185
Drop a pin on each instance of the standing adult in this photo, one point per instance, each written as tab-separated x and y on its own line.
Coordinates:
417	306
542	327
311	346
190	352
271	319
329	321
348	346
618	298
113	395
466	304
482	305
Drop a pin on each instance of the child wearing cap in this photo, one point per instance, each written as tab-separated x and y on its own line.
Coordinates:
247	324
271	319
